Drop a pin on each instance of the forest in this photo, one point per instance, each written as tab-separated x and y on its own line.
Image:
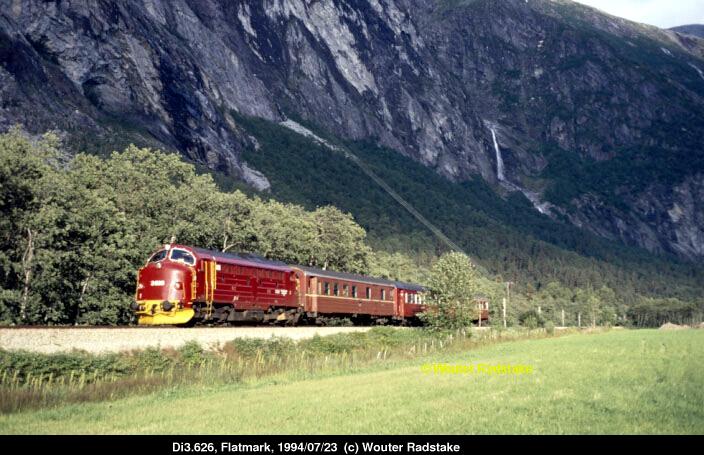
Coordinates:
75	228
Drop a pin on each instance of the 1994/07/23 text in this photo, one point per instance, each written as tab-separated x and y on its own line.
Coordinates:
350	448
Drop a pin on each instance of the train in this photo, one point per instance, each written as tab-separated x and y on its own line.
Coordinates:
183	285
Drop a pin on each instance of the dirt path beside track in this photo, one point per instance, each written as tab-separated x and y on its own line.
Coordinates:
100	340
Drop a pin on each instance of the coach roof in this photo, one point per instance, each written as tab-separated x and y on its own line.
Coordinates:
359	278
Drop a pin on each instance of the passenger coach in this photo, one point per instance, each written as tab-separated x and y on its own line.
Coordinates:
325	293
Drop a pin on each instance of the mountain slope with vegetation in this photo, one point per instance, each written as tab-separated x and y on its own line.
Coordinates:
508	238
74	233
692	29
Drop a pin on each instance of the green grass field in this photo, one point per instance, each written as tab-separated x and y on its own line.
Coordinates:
620	382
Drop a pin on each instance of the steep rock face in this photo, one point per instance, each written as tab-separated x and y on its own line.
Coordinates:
142	67
432	80
661	212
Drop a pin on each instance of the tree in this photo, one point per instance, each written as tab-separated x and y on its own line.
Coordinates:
284	232
27	186
453	285
396	266
594	306
609	313
556	298
339	241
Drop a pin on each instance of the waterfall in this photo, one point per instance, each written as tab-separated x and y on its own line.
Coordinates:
499	160
533	197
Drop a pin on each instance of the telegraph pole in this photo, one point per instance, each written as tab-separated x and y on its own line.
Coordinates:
504	311
507	299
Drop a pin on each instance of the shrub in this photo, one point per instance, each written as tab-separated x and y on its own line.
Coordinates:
531	319
451	298
151	359
549	327
192	353
251	347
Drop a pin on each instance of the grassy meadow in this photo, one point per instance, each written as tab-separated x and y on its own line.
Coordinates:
615	382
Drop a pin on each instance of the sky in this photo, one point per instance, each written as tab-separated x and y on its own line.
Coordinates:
663	13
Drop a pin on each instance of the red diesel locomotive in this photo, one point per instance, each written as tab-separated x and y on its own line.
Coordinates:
181	284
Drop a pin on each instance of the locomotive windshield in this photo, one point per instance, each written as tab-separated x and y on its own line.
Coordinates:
183	256
160	256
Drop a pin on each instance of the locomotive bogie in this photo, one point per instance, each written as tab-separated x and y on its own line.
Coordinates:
155	314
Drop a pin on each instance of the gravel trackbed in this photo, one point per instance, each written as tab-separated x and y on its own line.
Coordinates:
97	340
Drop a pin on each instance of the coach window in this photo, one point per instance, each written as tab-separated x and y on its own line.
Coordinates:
383	294
354	292
345	290
160	256
335	289
369	293
326	288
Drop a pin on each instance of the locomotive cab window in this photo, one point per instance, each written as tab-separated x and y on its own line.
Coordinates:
183	256
160	256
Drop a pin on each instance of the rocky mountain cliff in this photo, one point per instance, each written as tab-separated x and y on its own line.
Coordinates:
597	120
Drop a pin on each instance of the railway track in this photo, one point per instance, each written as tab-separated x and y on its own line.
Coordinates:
156	327
97	340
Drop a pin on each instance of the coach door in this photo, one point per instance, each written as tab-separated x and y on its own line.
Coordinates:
399	300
